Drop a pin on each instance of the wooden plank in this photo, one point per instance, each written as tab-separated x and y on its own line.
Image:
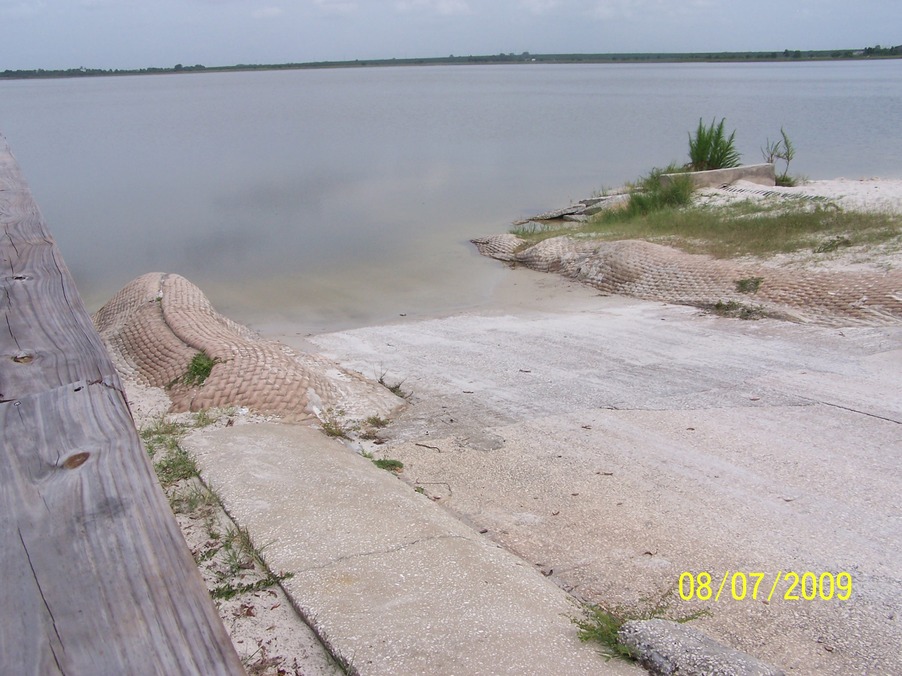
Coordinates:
96	578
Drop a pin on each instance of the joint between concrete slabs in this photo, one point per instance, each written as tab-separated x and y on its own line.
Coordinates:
855	410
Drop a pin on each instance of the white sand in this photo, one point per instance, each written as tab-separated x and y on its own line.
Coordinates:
866	194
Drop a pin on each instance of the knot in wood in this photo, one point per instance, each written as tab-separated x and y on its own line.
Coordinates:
76	460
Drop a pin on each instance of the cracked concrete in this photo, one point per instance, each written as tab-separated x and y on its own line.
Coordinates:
641	440
390	582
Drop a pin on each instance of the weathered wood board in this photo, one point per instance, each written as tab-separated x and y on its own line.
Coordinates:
95	577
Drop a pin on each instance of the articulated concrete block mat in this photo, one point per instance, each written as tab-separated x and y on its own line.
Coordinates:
390	581
654	272
158	322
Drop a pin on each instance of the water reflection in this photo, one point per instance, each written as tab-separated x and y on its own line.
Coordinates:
346	196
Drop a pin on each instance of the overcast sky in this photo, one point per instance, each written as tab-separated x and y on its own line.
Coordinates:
139	33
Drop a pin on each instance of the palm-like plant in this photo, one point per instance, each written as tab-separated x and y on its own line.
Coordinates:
711	148
780	150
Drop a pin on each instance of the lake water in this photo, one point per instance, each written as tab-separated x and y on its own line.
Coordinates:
338	198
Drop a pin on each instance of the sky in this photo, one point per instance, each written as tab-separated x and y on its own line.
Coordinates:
60	34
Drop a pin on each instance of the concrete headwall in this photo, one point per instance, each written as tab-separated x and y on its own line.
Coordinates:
762	174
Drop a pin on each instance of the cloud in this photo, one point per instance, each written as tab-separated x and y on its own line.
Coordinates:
614	9
538	6
629	9
444	7
20	8
337	6
267	12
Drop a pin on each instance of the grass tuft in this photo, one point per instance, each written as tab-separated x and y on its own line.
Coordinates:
389	464
176	466
653	193
711	148
738	310
377	421
199	369
833	244
749	284
601	625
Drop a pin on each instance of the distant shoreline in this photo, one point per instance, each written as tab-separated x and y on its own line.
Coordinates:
524	58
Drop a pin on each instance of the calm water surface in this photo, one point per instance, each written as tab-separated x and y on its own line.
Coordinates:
340	198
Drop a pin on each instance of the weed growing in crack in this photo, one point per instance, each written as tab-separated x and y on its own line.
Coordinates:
395	389
238	554
332	425
389	464
205	418
370	428
384	463
601	625
377	421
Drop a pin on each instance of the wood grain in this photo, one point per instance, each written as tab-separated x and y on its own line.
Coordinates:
95	577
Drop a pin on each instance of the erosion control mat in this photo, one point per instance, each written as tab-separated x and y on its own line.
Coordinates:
654	272
159	322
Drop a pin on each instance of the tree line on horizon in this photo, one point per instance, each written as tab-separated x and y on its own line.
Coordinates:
525	57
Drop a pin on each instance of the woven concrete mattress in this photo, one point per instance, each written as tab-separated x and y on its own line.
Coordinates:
651	271
157	323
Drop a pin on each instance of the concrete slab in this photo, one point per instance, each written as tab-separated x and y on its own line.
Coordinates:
391	582
621	443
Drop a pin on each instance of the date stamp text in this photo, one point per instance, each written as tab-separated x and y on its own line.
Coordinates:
758	586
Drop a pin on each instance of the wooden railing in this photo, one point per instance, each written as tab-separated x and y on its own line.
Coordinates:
95	577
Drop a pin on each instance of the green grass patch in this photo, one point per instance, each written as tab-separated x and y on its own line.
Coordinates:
175	466
654	193
389	464
199	369
161	436
742	228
